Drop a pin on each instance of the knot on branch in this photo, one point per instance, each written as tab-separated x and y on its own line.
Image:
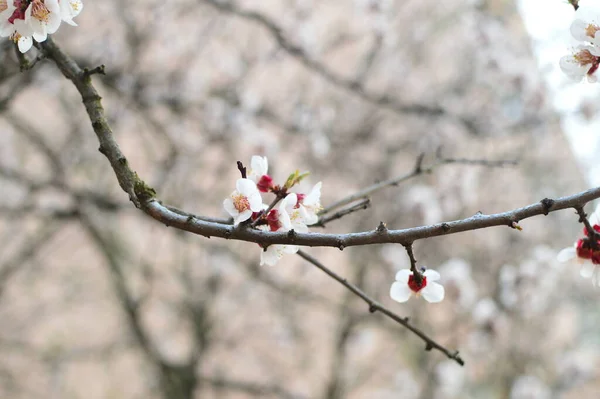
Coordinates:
143	191
382	228
547	204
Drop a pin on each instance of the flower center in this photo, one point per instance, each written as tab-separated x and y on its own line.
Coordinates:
584	57
39	11
414	284
591	30
241	203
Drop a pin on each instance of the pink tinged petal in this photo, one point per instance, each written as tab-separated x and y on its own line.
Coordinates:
587	270
400	292
431	275
566	255
403	275
433	292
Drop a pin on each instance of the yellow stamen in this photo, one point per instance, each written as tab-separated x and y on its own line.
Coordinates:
591	30
584	57
40	11
241	203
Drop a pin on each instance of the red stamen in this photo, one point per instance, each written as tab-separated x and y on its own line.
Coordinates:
584	249
414	285
273	220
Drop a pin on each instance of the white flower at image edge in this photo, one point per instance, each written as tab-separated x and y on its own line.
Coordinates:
407	286
243	201
583	62
586	24
581	254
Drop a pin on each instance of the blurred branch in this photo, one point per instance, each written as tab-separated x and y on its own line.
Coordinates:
248	388
417	171
352	85
375	306
32	246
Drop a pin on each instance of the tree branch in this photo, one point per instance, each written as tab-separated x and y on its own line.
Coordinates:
375	306
143	196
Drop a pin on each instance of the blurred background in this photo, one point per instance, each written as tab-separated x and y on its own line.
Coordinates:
99	301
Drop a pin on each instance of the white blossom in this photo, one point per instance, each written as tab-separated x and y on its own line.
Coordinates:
583	62
243	201
407	285
44	18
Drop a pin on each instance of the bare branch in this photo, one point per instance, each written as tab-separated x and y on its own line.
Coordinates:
375	306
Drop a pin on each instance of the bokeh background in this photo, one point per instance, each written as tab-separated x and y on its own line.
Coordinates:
99	301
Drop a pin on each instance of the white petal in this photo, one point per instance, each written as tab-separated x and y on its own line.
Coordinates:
255	201
433	292
566	254
289	202
400	292
587	270
25	43
241	217
259	166
308	216
431	275
246	187
578	30
291	249
271	255
314	197
403	275
229	207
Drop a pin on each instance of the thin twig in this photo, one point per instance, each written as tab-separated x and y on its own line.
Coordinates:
323	220
375	306
417	171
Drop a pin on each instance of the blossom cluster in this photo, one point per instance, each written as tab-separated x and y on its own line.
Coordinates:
291	211
585	58
25	20
586	251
